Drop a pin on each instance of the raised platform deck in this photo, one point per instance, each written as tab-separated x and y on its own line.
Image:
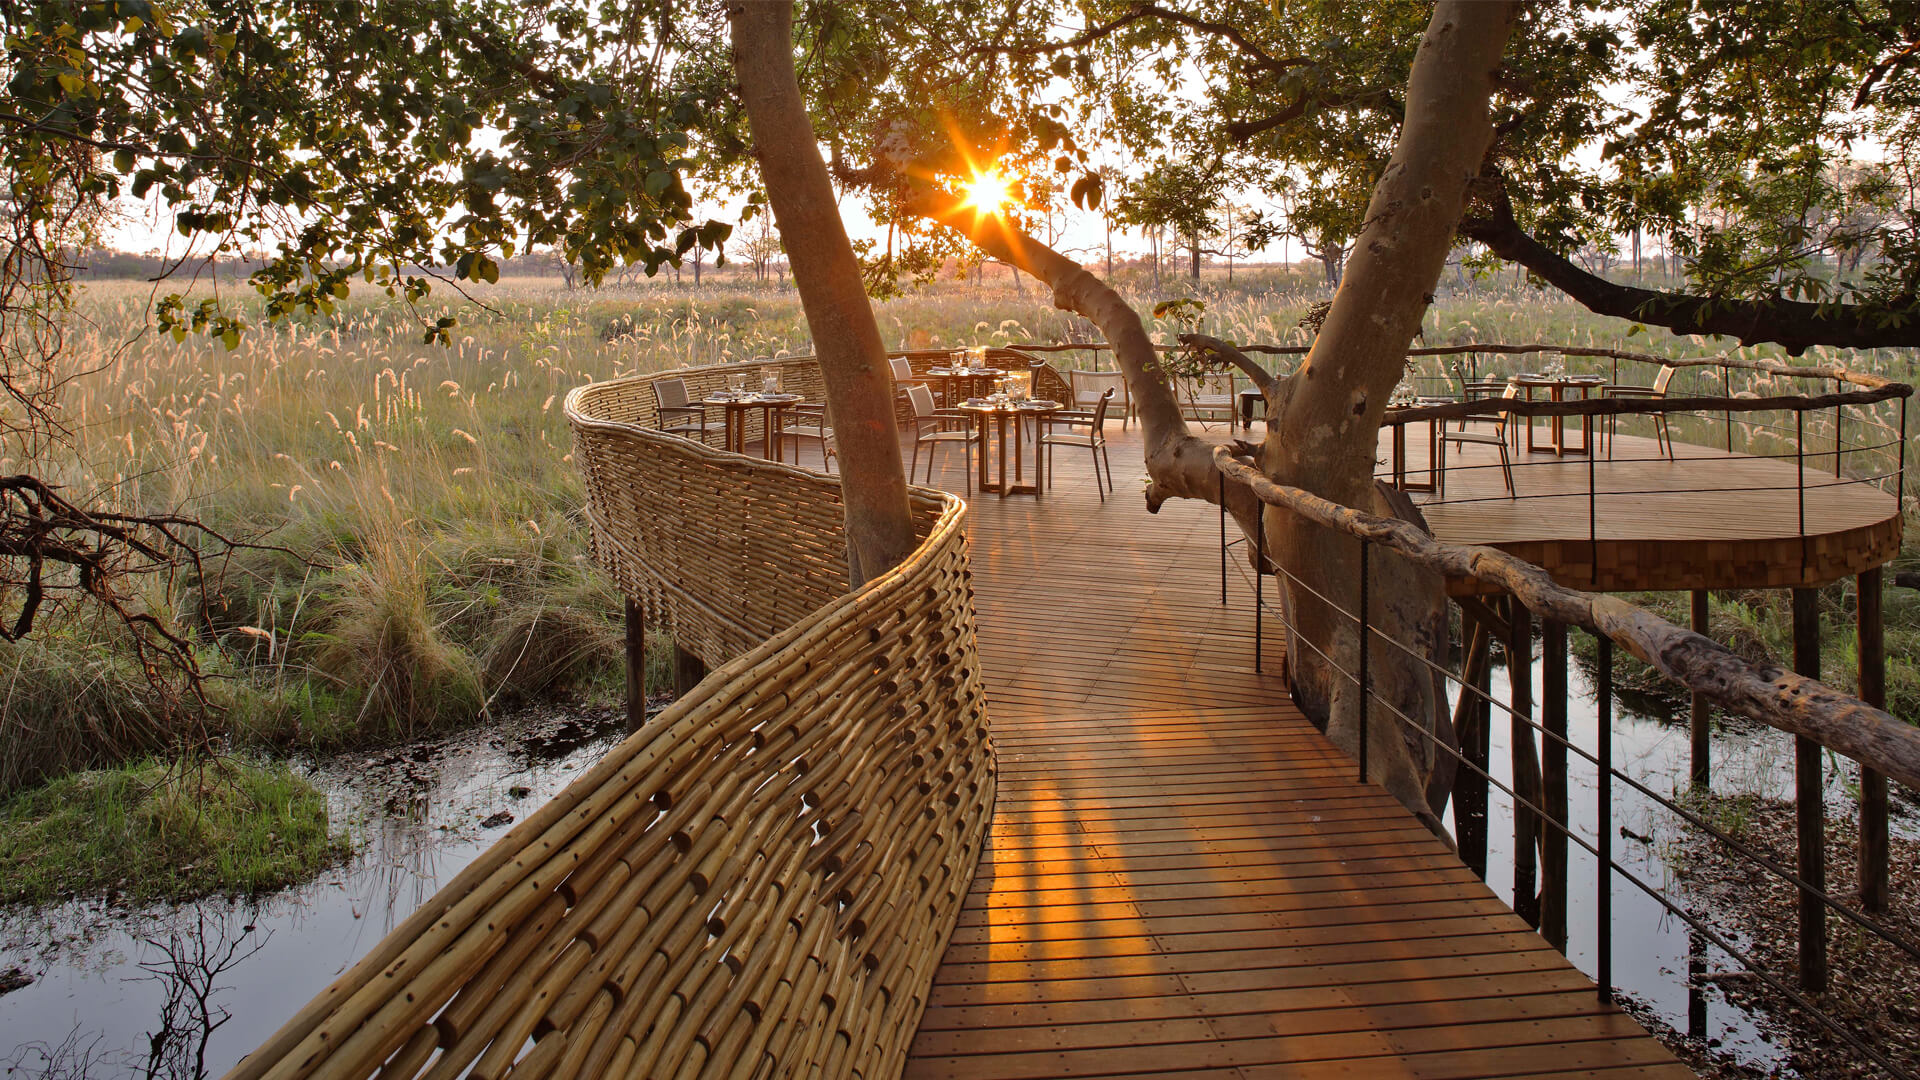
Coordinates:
1183	877
1705	520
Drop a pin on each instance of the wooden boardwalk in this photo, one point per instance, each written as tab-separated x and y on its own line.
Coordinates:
1183	877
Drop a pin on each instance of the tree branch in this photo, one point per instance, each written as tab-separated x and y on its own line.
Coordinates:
1261	377
1792	324
1258	59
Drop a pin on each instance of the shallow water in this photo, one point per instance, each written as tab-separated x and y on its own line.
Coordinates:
185	991
1653	948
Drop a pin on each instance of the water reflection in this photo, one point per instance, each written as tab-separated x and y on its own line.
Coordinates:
183	992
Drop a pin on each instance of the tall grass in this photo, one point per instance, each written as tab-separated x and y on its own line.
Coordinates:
436	560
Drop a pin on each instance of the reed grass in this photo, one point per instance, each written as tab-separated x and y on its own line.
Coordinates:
437	563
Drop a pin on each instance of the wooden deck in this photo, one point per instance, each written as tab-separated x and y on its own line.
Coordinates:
1706	520
1183	878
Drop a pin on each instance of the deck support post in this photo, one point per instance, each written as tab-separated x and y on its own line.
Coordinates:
636	620
1698	726
1260	589
1603	816
688	670
1872	649
1810	809
1526	763
1470	718
1553	774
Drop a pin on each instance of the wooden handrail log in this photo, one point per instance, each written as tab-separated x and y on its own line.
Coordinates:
1609	406
1769	694
1770	367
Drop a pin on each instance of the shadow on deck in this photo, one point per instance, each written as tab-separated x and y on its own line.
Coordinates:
1182	876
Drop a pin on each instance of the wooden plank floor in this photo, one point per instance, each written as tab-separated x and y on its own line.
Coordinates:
1183	878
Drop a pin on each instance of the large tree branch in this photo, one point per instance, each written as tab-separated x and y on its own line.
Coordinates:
1227	352
1793	324
1257	58
1179	465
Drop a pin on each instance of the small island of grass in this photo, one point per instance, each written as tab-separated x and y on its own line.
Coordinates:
159	830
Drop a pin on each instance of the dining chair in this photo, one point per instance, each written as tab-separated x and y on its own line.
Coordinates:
809	422
1207	398
1087	386
1496	438
933	429
670	401
1095	439
1663	437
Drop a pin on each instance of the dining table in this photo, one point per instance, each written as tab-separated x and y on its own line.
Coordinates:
957	383
1557	387
991	415
738	404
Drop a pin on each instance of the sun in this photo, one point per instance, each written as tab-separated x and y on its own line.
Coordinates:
989	192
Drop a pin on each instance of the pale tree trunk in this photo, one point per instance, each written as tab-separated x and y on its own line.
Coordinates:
1329	414
853	359
1328	432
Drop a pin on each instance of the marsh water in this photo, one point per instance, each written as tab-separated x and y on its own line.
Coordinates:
184	991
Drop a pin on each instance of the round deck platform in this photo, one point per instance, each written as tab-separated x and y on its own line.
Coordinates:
1705	520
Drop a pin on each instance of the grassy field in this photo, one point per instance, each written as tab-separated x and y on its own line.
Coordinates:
436	557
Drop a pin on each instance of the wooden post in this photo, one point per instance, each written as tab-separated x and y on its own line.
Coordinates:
636	666
1872	649
688	670
1526	764
1810	809
1702	733
1470	724
1553	761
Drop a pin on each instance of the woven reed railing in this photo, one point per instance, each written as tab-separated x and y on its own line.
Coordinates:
762	880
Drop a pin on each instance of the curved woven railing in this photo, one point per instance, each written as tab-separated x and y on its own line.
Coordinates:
762	879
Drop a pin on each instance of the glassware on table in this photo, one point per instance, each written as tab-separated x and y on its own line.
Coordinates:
737	382
770	382
977	357
1018	385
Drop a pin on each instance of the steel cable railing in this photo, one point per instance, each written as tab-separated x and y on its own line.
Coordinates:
1357	672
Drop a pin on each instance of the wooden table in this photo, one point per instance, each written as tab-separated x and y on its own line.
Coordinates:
1556	387
1433	446
995	414
950	395
773	410
1250	398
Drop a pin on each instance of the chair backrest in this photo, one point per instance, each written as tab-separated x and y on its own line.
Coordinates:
902	371
1088	385
1511	393
921	399
1100	411
1660	381
670	393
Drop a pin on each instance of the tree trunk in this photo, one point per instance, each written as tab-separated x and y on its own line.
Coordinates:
1193	249
1327	436
853	359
